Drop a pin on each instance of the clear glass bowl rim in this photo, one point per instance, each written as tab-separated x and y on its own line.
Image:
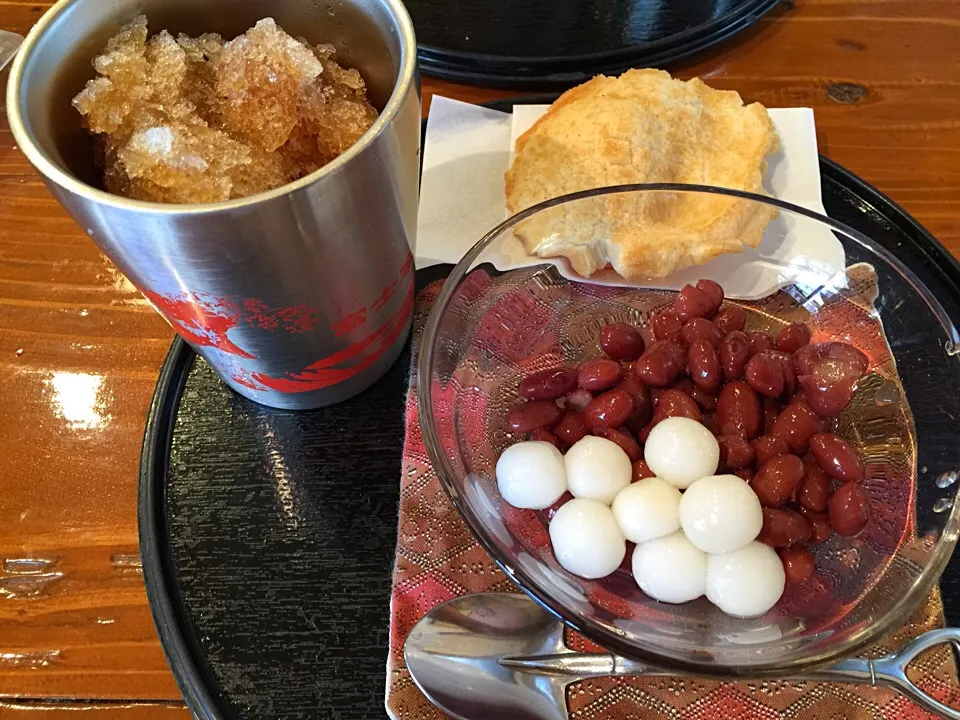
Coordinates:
583	623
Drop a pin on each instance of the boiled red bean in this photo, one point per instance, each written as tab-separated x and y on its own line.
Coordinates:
796	425
793	337
661	363
830	385
714	292
730	318
734	354
849	510
705	400
612	409
642	403
745	474
544	435
640	471
809	355
699	329
776	479
683	384
735	452
836	457
597	375
819	524
621	341
789	369
783	528
570	429
765	374
770	410
759	341
814	488
767	447
534	414
676	403
692	302
798	564
548	384
552	510
738	411
666	325
709	421
704	367
621	438
578	400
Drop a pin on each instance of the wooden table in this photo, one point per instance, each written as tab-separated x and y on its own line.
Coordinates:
80	350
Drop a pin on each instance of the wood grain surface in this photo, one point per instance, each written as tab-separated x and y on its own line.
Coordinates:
79	351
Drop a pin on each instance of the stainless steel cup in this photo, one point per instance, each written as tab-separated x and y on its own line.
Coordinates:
299	297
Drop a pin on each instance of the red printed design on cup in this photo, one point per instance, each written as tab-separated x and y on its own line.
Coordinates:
201	319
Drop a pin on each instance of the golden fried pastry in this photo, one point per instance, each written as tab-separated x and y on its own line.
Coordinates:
642	127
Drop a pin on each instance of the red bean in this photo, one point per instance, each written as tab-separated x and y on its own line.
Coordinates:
798	564
704	366
734	354
698	329
661	363
796	425
730	318
676	403
819	524
570	429
640	471
666	325
814	488
624	440
831	384
765	374
548	384
789	369
705	400
759	341
770	410
809	355
735	452
709	421
767	447
745	474
714	292
642	403
683	384
836	457
544	435
534	414
644	432
793	337
612	409
849	510
621	341
776	479
738	411
692	302
578	400
783	528
597	375
552	510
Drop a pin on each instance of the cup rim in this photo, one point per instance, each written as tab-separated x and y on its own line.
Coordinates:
54	173
581	622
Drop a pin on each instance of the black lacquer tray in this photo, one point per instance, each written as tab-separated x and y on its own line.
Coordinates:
559	43
268	537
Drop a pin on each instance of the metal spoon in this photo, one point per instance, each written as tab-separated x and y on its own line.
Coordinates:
499	655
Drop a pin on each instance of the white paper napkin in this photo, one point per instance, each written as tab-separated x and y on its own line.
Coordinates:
468	148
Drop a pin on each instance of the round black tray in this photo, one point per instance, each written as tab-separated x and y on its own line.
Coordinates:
268	536
564	42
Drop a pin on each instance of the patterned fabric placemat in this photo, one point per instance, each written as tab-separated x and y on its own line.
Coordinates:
438	559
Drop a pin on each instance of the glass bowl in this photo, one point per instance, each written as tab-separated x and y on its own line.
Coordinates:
488	329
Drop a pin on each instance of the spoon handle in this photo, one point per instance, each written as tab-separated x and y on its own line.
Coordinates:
887	671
